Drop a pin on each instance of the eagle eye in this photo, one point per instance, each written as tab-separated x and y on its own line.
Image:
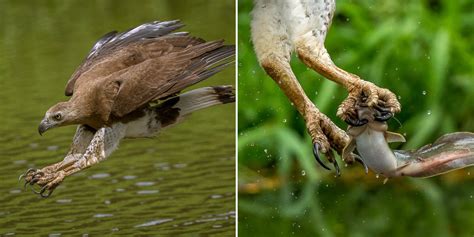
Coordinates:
57	117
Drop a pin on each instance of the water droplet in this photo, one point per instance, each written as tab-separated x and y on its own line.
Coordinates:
423	92
303	172
429	112
377	176
284	120
265	150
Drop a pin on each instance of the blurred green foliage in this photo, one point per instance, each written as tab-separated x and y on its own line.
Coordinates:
420	50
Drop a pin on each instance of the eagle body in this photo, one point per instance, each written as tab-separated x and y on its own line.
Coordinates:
278	26
130	86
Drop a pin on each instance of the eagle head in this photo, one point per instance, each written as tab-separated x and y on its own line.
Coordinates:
56	116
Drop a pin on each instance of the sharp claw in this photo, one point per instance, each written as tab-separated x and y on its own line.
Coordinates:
336	166
24	185
33	181
41	191
316	155
358	159
46	195
356	122
34	190
21	177
384	116
381	108
26	173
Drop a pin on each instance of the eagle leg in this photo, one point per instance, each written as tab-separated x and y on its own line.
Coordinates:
99	145
324	133
317	58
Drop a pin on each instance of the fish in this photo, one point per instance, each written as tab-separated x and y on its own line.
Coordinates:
450	152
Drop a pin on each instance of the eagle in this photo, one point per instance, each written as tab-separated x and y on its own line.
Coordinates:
129	86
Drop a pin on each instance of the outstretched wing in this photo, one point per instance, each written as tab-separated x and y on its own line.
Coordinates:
107	54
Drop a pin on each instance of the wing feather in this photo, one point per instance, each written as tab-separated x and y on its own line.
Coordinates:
168	75
113	42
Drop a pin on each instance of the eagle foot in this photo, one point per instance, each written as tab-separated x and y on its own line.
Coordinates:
382	101
47	178
326	137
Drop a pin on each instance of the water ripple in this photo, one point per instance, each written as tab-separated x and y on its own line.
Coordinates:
154	222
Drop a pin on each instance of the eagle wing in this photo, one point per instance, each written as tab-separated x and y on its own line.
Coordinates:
125	71
99	61
168	74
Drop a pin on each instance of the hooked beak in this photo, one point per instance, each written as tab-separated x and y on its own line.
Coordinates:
44	126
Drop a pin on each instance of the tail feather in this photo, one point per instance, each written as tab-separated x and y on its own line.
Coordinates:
204	97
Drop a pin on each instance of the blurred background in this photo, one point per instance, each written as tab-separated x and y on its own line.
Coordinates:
182	182
420	50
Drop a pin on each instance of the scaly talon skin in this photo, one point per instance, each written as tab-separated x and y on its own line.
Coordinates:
316	156
367	94
47	179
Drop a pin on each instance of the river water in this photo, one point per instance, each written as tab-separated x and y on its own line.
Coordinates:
182	182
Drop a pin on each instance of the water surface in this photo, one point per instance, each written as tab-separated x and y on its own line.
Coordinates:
180	182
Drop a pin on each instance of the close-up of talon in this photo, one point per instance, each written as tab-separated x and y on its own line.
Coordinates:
317	156
356	122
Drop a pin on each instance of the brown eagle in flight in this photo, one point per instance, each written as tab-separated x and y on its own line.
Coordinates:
130	86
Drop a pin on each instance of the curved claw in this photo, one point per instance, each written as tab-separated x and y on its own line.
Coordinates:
316	156
336	166
333	160
356	122
383	116
24	185
358	159
42	193
38	192
48	194
26	173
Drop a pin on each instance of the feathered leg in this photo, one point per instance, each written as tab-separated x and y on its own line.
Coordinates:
88	148
361	93
314	20
272	40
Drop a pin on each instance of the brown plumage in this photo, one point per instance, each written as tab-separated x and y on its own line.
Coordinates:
130	86
124	72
